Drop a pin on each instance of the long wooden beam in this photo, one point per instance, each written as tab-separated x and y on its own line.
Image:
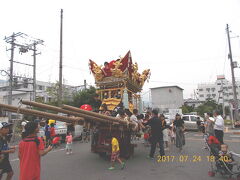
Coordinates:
58	109
39	113
93	114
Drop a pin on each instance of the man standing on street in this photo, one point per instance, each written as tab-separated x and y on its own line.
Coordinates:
219	126
157	135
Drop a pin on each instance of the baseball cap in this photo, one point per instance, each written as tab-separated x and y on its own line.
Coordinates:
4	125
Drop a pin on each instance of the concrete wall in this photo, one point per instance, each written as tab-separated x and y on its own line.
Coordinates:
167	98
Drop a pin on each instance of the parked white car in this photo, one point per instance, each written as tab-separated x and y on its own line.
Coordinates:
190	121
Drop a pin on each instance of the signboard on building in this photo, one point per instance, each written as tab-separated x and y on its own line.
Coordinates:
219	77
173	112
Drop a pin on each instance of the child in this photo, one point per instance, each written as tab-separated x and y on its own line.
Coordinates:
172	134
31	148
69	140
56	141
115	153
146	137
52	131
5	150
226	156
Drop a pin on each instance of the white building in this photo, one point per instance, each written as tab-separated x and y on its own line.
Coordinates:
193	102
220	91
167	97
23	89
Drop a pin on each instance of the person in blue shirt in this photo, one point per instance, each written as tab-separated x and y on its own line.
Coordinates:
47	133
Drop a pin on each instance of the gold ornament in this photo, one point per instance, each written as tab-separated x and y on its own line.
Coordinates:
144	76
116	72
98	74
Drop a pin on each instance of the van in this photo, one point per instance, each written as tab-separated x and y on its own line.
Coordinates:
190	121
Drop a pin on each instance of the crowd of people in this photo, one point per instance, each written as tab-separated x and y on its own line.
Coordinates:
152	125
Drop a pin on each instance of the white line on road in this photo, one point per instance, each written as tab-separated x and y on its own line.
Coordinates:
235	136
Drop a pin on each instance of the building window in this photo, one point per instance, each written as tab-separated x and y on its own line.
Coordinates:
209	95
229	87
218	83
213	89
214	95
200	89
201	95
208	89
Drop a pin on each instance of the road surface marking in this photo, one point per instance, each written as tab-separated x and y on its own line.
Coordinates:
198	135
235	136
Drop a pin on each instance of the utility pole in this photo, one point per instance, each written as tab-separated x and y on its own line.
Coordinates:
11	76
233	76
60	63
34	71
85	84
25	43
223	107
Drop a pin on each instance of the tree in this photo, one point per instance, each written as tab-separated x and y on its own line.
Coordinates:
187	109
209	106
53	92
85	96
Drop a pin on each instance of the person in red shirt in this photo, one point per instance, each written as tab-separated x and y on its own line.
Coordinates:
106	70
56	141
52	131
31	148
213	140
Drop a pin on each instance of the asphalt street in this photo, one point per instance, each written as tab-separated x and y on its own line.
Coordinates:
191	163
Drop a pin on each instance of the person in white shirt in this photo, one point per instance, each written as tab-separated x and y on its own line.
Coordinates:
218	126
134	119
23	124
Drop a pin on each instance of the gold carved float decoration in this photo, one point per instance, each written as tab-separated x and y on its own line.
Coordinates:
120	68
119	81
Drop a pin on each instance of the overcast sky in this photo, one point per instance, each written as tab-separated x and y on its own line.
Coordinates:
183	42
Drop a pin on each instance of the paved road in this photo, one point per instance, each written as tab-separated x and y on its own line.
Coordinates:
83	164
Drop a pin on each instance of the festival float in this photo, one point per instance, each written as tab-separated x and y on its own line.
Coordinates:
119	81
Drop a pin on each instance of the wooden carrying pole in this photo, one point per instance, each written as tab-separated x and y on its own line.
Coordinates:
39	113
109	118
58	109
87	115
